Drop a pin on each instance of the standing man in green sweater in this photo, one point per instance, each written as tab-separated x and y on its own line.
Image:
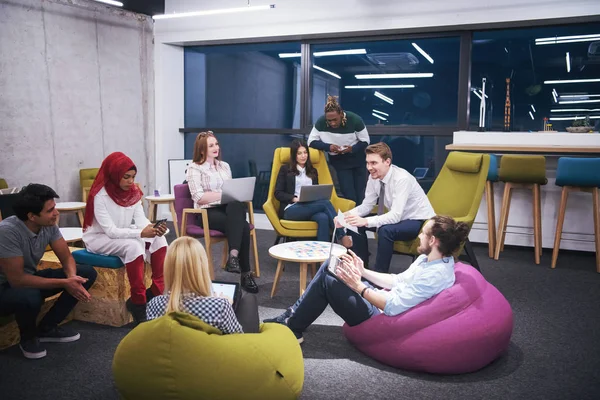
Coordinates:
343	134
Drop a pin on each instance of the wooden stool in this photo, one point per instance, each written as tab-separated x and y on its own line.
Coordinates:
489	199
526	172
154	201
578	175
77	207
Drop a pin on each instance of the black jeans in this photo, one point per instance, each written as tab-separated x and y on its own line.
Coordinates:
353	182
231	220
26	303
247	313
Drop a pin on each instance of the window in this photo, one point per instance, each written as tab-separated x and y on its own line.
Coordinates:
396	82
554	73
242	86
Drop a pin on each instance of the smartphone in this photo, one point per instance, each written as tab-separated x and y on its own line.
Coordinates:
160	221
333	264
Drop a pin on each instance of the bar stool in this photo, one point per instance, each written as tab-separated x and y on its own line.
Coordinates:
489	199
525	172
578	175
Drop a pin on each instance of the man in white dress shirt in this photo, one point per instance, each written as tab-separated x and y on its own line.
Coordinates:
393	189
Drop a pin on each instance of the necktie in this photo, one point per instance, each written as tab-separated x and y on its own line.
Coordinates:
380	205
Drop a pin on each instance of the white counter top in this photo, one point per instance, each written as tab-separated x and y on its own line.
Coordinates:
527	138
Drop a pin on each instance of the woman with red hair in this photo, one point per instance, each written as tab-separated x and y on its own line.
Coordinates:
113	203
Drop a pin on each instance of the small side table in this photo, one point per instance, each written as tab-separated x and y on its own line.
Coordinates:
77	207
154	201
305	252
72	235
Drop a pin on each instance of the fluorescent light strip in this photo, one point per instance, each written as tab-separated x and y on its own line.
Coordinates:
481	92
573	118
531	115
568	59
111	2
533	108
423	53
381	112
593	35
575	110
554	96
379	116
570	96
289	55
339	52
571	81
213	12
327	71
395	76
379	87
578	101
384	98
477	94
567	41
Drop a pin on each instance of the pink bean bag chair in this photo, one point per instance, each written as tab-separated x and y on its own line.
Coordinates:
462	329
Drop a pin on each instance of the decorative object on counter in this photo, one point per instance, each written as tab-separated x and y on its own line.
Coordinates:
581	125
482	107
507	107
547	126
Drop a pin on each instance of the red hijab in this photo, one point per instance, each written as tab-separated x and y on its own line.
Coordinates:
109	177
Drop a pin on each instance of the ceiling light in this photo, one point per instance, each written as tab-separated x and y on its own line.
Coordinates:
423	53
379	116
381	112
213	12
339	52
111	2
554	95
379	87
384	97
533	108
477	94
568	58
327	71
573	118
567	39
578	101
395	76
575	110
289	55
531	115
571	96
571	81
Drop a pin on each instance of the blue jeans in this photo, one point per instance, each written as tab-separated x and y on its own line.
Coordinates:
325	289
353	182
386	236
320	211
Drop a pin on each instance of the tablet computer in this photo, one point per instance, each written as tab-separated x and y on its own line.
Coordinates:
230	290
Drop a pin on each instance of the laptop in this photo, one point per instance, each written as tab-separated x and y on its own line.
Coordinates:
231	290
239	189
420	173
314	193
12	190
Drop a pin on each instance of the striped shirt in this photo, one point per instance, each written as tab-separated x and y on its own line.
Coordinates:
207	178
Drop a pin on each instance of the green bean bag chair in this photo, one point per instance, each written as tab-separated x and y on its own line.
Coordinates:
178	356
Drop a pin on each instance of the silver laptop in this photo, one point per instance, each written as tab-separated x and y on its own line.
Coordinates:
314	193
12	190
239	189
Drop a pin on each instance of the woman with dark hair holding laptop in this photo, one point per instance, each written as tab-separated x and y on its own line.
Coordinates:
205	177
300	172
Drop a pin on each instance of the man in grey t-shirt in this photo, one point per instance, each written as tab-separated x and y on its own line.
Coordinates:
23	240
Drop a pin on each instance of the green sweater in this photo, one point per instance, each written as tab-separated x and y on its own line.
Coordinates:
353	133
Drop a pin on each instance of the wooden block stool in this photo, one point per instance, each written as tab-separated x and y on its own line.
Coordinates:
526	172
110	291
489	199
578	175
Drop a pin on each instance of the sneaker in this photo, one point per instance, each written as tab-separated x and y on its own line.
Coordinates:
282	318
58	334
248	283
138	311
233	265
32	349
299	337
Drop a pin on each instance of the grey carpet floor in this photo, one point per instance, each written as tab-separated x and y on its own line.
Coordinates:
554	352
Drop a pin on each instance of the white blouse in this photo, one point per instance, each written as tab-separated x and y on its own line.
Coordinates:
301	180
207	177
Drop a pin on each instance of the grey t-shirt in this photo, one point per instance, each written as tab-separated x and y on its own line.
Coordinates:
17	240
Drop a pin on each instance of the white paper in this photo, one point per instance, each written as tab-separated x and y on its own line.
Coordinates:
342	221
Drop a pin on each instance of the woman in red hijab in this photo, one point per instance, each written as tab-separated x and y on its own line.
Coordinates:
113	203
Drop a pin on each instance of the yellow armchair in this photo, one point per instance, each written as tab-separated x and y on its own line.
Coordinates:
456	192
299	229
86	179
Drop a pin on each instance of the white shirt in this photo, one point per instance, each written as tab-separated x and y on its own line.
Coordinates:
404	198
301	180
207	178
420	282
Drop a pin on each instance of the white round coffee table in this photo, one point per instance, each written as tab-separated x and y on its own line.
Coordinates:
154	201
72	206
304	252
